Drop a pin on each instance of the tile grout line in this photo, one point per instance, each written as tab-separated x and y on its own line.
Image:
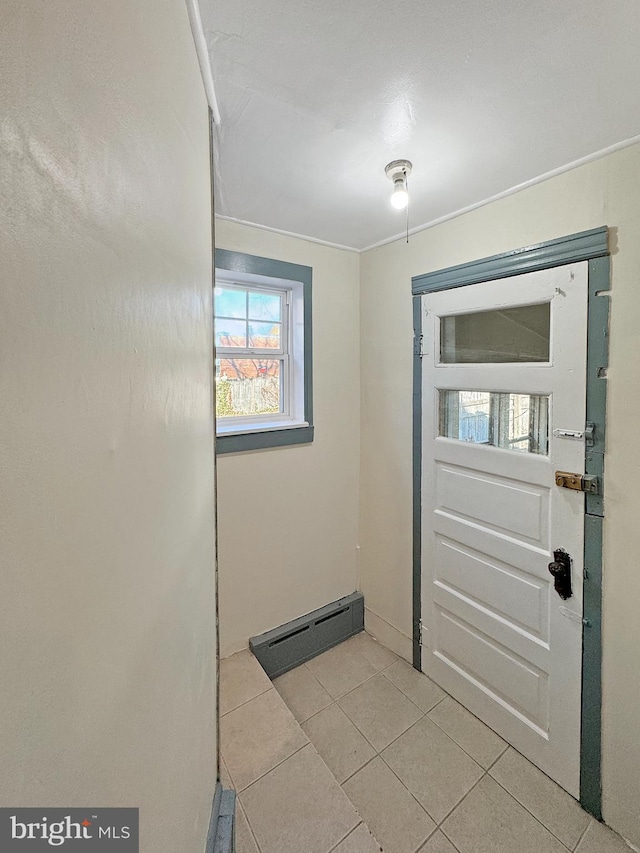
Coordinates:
513	797
495	761
350	833
460	801
315	713
337	702
308	743
537	819
460	746
485	772
408	698
446	837
279	764
441	824
334	701
375	748
246	817
584	832
351	689
435	705
222	761
366	764
424	843
246	702
411	794
451	737
378	754
356	652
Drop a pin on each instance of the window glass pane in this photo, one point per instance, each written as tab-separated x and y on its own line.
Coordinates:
248	386
509	335
230	333
230	302
264	335
264	306
511	421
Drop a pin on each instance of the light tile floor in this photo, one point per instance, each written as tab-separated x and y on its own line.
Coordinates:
356	752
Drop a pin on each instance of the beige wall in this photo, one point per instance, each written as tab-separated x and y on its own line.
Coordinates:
288	516
605	192
107	642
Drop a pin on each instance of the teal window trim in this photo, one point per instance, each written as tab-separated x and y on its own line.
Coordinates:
591	246
225	259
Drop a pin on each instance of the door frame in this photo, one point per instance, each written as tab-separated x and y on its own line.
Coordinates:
591	246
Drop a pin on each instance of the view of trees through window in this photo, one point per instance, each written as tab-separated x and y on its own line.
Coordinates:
251	350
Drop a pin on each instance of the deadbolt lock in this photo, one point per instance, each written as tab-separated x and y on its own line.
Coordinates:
577	482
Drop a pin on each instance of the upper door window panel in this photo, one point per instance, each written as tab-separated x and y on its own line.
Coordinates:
506	335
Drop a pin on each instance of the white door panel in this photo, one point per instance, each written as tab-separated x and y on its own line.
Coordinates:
520	685
509	465
493	503
495	632
509	594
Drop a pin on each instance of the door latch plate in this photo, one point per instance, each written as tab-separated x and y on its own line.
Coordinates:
577	482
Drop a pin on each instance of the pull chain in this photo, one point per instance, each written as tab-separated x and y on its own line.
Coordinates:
407	207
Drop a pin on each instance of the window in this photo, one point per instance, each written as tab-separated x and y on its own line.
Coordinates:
262	339
510	421
507	335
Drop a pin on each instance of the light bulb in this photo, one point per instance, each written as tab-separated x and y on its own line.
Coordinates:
397	171
400	197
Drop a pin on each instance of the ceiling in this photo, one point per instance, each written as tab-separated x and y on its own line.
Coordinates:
316	97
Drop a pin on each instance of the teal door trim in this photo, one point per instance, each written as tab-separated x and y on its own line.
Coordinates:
583	246
591	246
417	484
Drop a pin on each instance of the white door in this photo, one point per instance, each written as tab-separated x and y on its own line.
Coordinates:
504	376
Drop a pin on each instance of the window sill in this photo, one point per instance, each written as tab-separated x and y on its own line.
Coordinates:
273	435
230	428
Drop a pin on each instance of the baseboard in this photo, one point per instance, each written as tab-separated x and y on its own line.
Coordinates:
221	835
298	641
388	635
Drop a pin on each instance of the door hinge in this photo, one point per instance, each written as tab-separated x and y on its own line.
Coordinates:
590	434
420	632
577	482
417	345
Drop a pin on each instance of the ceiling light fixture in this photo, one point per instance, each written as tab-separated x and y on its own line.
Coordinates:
398	171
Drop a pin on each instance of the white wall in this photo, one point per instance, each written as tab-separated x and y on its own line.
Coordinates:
107	641
605	192
288	516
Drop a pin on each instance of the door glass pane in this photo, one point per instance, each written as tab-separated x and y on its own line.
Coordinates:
511	421
248	386
508	335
